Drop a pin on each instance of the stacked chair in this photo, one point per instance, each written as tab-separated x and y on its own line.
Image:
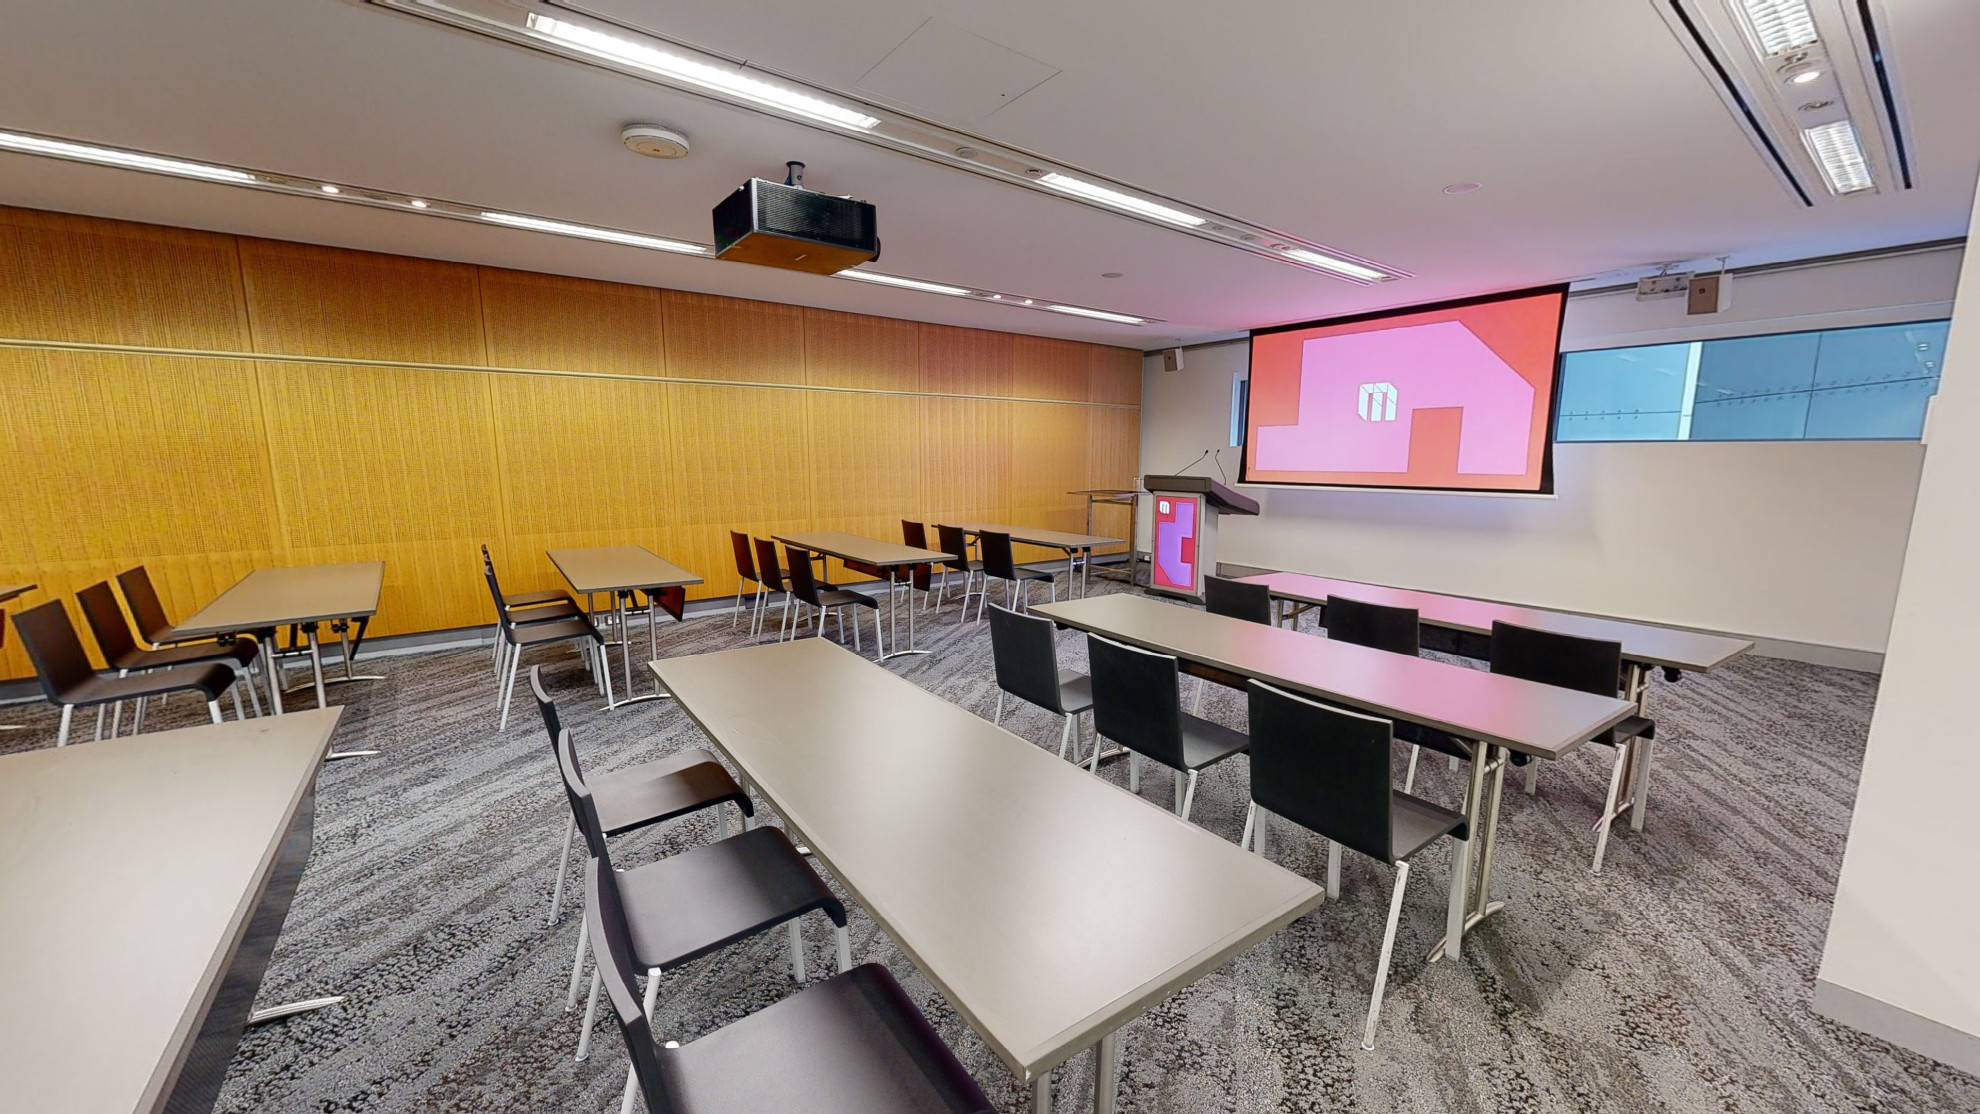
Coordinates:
70	681
520	627
122	654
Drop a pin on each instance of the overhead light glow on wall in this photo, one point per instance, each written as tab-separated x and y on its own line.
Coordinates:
676	67
590	232
1780	24
129	160
1840	156
1115	199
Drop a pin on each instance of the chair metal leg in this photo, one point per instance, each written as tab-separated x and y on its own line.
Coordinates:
563	869
577	965
1640	800
1609	806
998	718
1409	778
1259	842
735	613
1532	778
797	950
1333	870
590	1013
1065	736
213	709
845	949
1189	797
235	692
1196	705
509	688
1134	771
68	714
1250	821
1454	915
1382	965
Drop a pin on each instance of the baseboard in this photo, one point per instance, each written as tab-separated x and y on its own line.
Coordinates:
1835	657
1899	1026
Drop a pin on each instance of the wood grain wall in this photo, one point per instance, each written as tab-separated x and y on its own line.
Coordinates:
206	404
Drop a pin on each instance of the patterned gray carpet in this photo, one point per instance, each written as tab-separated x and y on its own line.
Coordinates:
1676	981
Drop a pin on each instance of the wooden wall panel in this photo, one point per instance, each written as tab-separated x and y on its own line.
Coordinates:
395	464
853	350
205	468
965	361
1046	368
1116	376
314	301
108	282
709	337
569	324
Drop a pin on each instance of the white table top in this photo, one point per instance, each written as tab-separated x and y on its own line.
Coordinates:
267	598
1048	906
128	871
616	568
1641	642
1531	718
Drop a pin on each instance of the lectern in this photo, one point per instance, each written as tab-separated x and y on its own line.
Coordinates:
1184	546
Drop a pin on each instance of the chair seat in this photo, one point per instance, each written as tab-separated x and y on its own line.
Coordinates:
545	613
854	1044
536	599
699	901
971	565
1415	823
656	791
1075	692
211	680
555	630
839	597
1635	727
1029	574
1206	743
241	653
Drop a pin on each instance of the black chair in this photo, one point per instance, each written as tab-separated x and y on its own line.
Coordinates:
548	597
1138	704
1233	600
954	542
1587	665
921	578
512	637
69	681
700	901
1331	772
745	576
122	653
999	564
1396	630
833	601
1026	652
854	1044
152	624
770	574
643	795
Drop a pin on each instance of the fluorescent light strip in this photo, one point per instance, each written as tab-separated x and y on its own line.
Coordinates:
612	48
905	283
1080	187
1338	266
1835	147
1099	314
1781	24
130	160
589	232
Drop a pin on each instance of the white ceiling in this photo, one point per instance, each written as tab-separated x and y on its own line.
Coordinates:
1600	146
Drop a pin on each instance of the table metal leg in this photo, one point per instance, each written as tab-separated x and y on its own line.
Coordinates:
1106	1071
1481	807
625	649
291	1009
1041	1093
893	608
316	664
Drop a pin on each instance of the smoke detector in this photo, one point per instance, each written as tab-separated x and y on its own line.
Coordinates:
654	141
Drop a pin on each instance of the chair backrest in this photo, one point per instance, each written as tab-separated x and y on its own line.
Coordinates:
1136	699
495	593
1374	625
745	566
1563	660
803	584
487	562
106	622
58	655
583	807
1027	657
997	559
768	572
953	542
611	949
143	600
1250	602
916	535
1324	768
552	722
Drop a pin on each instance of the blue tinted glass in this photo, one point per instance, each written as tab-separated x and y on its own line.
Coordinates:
1748	366
1775	417
1622	394
1881	355
1887	410
1617	427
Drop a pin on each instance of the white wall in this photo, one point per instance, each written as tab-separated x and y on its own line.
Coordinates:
1901	959
1795	542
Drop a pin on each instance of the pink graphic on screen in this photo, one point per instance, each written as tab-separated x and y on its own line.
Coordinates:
1175	543
1358	393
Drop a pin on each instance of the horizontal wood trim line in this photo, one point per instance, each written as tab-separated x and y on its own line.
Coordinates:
345	361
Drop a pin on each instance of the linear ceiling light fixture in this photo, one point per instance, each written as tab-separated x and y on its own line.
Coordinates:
905	283
1099	314
1840	156
1780	25
130	160
590	232
543	26
1001	297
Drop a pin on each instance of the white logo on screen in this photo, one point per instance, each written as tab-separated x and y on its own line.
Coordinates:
1377	402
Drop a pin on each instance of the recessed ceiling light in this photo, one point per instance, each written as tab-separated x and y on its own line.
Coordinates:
417	203
330	189
129	160
1099	314
1457	188
1115	199
1801	73
1339	266
590	232
905	283
690	71
1840	156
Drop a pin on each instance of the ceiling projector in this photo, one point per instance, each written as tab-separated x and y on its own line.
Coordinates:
785	225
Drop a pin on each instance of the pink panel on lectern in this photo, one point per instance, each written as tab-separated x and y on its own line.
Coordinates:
1175	543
